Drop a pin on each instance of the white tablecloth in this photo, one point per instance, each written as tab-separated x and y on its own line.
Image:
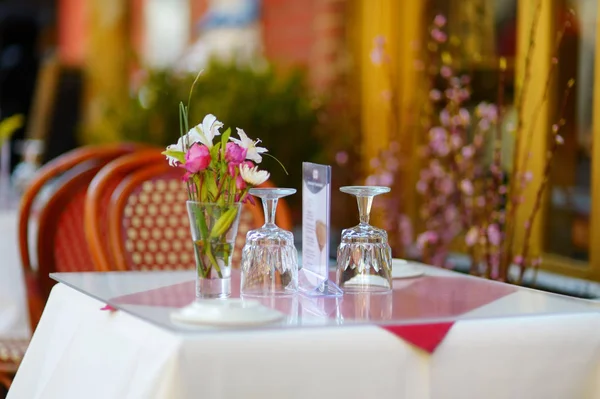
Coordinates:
14	319
79	351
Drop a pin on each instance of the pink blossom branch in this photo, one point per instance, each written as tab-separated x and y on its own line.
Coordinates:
558	140
511	204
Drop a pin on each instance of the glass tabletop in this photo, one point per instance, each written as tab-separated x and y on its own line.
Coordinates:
436	296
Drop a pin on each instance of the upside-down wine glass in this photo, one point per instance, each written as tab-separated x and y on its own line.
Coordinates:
269	258
364	257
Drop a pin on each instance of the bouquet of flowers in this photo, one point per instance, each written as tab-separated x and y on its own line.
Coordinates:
219	172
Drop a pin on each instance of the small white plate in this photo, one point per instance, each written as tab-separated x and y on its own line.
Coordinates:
404	269
226	313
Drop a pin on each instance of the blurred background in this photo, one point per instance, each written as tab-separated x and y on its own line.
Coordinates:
300	75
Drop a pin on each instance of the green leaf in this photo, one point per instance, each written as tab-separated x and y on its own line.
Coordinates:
224	222
214	153
10	125
224	139
178	155
211	186
183	115
204	192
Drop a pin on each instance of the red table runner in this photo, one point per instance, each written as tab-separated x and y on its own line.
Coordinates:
428	297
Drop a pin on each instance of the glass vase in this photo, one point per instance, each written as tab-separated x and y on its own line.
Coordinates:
214	229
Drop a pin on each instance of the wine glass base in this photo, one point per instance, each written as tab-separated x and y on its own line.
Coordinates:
366	283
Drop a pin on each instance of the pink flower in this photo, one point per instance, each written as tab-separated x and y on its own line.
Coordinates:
437	133
440	147
466	187
480	201
472	236
493	233
377	56
445	117
425	174
436	168
445	185
438	35
487	111
439	20
450	214
518	260
197	158
559	139
428	237
468	151
392	164
456	141
375	163
421	187
435	95
231	169
464	116
234	153
484	124
386	179
446	71
379	41
371	180
341	158
240	184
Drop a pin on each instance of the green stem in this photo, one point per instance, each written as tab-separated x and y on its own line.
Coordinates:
203	270
212	259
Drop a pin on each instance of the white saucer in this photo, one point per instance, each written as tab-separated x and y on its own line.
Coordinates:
226	313
404	269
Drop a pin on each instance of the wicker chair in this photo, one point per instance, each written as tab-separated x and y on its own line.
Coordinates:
86	160
149	226
98	197
59	227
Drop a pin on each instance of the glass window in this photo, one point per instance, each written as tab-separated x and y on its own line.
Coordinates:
568	214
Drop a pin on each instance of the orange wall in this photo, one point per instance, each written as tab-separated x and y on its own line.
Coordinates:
71	31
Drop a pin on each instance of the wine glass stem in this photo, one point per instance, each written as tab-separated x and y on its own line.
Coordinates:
269	207
364	208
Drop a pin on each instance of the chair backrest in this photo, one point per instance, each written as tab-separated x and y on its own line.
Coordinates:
98	198
38	284
149	226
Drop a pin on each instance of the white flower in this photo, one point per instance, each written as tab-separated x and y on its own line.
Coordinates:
252	175
254	152
209	129
206	131
183	144
203	133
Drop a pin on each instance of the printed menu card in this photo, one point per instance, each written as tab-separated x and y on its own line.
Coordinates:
316	203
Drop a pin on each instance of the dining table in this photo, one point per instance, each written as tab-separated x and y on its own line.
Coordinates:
436	334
